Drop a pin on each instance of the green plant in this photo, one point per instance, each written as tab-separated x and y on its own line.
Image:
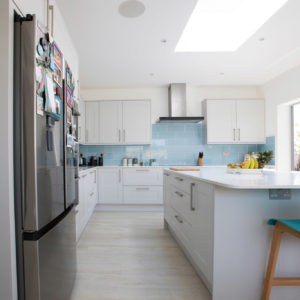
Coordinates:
264	157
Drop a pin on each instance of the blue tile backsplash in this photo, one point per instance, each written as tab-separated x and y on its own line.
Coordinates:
177	144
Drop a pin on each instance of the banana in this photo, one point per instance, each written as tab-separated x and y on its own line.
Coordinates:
255	163
248	163
252	163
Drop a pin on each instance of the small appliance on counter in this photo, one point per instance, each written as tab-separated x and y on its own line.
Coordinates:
135	162
124	162
93	161
129	162
100	160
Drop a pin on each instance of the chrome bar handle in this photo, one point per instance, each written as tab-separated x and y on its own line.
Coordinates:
239	134
119	175
234	134
124	135
178	219
179	179
179	194
119	135
192	204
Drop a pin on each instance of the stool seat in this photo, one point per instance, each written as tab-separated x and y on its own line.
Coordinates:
293	224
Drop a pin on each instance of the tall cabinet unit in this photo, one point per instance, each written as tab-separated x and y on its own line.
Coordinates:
234	122
118	122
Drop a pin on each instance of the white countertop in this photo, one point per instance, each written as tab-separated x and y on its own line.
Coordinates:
270	179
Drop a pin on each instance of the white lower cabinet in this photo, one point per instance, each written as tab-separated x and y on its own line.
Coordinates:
143	194
110	185
188	209
130	185
88	195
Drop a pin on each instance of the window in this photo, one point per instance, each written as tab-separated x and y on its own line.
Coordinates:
296	137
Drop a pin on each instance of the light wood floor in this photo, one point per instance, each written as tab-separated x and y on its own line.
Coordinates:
128	255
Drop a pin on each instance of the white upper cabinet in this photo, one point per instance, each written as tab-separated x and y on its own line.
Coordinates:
250	121
110	126
234	122
137	122
81	123
118	122
92	122
220	119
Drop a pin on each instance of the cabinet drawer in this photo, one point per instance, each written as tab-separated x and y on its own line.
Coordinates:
143	176
143	194
182	183
183	203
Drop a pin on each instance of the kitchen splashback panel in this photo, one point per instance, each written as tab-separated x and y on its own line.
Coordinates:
174	145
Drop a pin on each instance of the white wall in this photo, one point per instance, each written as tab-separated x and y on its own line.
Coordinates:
284	88
159	96
8	288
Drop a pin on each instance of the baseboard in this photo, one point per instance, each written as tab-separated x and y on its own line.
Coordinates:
129	207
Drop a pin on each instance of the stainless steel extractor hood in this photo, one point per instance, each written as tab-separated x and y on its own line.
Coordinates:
178	106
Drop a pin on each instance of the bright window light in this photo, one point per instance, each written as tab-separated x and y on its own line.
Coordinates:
225	25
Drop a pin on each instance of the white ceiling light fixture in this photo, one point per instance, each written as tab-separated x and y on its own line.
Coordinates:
132	9
225	25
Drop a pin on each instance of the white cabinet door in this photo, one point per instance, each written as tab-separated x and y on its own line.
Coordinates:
137	128
81	207
81	123
221	120
143	194
142	176
110	185
202	227
92	122
110	122
250	121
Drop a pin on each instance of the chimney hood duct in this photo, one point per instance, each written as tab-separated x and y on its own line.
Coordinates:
178	106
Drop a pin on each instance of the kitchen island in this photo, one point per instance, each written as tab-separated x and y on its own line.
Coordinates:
219	220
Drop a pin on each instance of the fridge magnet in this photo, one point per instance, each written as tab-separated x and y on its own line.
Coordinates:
51	65
58	59
68	76
57	75
69	97
52	106
39	105
57	107
69	115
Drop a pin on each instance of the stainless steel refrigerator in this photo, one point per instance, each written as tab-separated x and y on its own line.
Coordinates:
45	177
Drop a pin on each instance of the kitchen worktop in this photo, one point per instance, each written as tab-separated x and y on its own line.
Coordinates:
270	179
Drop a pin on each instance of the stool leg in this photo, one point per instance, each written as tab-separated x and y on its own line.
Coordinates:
272	262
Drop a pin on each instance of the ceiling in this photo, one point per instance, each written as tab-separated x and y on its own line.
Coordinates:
120	52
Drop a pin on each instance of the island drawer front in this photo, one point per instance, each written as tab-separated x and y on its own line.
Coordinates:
181	202
182	183
181	227
143	194
143	176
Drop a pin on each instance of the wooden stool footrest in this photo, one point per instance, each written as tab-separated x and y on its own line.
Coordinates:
286	281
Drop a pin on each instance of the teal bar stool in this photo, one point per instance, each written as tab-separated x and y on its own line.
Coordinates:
292	227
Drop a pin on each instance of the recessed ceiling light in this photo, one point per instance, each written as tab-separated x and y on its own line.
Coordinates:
151	74
163	41
132	8
262	39
225	25
221	73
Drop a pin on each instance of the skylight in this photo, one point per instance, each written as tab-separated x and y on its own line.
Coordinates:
225	25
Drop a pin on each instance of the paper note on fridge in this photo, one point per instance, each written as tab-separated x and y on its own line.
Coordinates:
50	101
